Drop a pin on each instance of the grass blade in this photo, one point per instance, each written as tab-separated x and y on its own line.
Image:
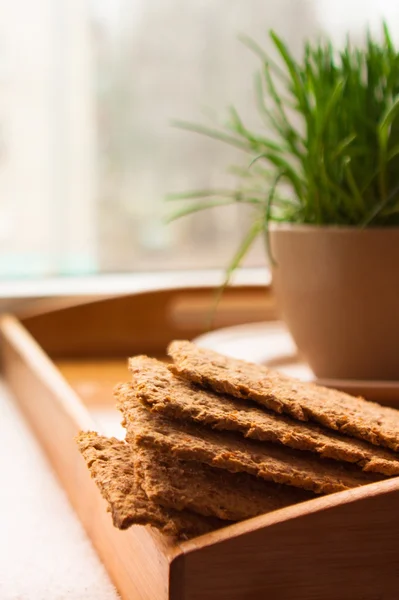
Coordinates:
194	194
242	251
267	215
331	151
256	49
212	133
293	71
383	136
197	208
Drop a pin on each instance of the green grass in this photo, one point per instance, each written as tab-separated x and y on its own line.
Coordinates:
330	155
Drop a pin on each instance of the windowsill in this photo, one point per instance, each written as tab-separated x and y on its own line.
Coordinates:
16	296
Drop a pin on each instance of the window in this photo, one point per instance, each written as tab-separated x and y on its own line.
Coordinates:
87	153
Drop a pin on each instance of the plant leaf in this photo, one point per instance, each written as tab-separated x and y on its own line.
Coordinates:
294	72
267	213
256	49
194	194
242	251
379	207
212	133
197	208
383	136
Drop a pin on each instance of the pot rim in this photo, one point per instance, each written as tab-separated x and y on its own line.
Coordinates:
352	229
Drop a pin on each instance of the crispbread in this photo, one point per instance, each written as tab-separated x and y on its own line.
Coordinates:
228	451
212	492
178	399
112	466
303	401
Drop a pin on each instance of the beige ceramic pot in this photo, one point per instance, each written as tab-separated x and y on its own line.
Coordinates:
338	291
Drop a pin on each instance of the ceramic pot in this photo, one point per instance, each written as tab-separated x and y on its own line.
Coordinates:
338	292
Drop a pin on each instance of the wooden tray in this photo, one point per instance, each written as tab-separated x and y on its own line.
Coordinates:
62	367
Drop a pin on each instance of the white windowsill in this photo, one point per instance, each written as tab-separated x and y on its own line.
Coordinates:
14	294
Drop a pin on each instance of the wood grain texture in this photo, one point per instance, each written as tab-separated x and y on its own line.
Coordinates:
341	547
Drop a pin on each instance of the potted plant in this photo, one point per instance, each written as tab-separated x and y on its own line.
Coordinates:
324	188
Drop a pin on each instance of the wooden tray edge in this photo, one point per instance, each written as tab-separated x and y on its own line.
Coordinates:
49	404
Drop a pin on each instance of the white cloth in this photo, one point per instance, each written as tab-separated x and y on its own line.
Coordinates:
44	552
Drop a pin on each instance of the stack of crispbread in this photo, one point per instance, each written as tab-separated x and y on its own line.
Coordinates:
213	440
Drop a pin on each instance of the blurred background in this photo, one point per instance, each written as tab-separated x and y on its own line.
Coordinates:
87	152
